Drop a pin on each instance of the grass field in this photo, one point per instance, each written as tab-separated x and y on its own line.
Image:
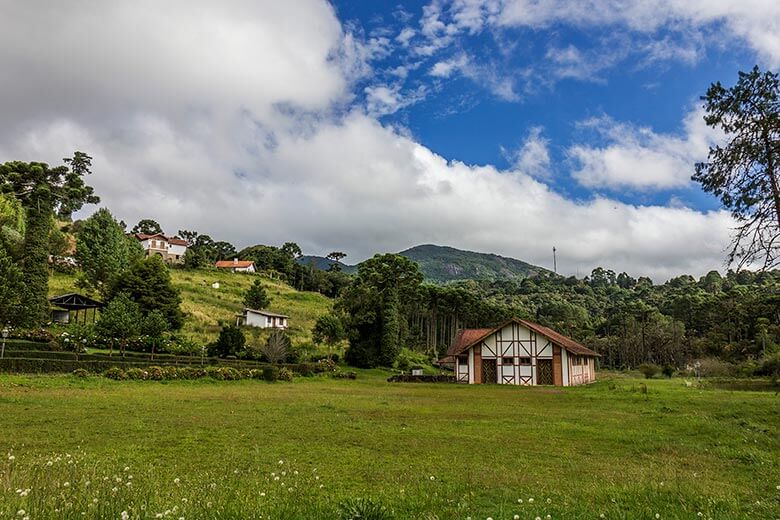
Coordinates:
251	449
205	307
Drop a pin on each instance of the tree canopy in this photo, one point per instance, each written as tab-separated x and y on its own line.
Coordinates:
147	226
744	173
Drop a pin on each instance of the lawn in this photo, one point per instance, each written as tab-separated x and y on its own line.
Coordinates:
205	307
311	448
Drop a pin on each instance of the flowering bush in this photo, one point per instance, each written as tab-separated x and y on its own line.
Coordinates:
137	374
156	373
80	372
115	373
285	374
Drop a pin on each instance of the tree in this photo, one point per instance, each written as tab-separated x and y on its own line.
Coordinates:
104	252
292	249
256	296
148	283
154	326
745	172
44	191
10	289
277	347
224	250
336	256
147	226
120	321
328	331
230	342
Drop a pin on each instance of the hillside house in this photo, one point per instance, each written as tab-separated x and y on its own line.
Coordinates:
261	319
237	266
170	249
521	352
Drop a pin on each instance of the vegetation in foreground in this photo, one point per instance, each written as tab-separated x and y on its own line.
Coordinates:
322	448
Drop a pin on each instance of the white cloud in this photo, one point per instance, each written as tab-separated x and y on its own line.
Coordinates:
383	100
406	34
231	121
637	157
533	156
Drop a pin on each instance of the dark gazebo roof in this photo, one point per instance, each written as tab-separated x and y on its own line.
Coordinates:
76	302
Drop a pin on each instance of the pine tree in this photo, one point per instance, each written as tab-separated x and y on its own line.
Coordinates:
256	296
148	283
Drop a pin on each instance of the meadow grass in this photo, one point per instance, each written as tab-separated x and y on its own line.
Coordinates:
622	448
205	307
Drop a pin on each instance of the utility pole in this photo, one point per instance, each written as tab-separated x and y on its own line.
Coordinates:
555	262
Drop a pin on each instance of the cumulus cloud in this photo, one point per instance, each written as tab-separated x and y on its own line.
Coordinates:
236	121
636	157
533	156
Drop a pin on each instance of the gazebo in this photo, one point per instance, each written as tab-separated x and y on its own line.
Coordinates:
74	303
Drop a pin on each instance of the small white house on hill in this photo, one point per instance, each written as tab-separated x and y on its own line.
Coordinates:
521	352
236	265
261	319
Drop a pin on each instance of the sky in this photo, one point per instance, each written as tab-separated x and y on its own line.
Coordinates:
500	126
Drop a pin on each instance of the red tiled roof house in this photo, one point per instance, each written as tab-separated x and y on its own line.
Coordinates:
521	352
170	249
236	265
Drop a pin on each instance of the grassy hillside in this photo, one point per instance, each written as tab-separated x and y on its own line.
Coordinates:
205	307
249	449
444	264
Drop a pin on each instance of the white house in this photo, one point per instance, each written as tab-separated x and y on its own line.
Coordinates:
521	352
261	319
170	249
236	265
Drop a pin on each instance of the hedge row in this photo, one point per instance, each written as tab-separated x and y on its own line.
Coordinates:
43	366
169	373
405	378
129	357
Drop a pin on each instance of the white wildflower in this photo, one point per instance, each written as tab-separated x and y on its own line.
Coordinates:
66	484
281	462
549	500
516	517
11	458
127	468
519	500
176	480
21	512
94	500
657	515
124	515
114	489
531	500
433	478
184	499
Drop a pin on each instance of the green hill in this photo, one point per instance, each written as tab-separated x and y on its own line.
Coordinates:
445	264
205	306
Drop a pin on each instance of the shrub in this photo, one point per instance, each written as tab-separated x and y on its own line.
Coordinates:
156	373
668	370
344	375
285	374
137	374
649	369
713	367
215	373
230	373
770	367
170	372
270	374
115	373
80	372
327	365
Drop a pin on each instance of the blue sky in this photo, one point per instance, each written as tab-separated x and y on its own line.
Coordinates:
503	126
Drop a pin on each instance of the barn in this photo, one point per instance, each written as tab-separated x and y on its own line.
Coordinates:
520	352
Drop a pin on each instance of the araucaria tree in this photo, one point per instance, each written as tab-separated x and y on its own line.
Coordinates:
104	252
256	296
44	191
745	172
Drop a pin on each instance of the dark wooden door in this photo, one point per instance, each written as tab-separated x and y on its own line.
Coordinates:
544	372
489	371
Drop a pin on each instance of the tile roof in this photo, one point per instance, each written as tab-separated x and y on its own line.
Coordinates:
232	263
171	240
467	338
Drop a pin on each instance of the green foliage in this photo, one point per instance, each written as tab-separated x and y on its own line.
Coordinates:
119	321
329	331
148	283
668	370
256	296
80	373
154	326
43	191
363	509
11	290
231	342
270	374
649	370
115	373
147	226
745	173
285	374
104	252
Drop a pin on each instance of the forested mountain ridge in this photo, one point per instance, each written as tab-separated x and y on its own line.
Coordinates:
442	264
446	264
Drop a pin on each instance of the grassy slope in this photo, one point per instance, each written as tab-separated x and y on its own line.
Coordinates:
602	449
206	307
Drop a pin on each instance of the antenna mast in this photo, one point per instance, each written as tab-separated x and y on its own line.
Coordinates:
555	262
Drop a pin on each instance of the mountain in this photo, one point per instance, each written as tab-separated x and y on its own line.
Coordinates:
322	263
445	264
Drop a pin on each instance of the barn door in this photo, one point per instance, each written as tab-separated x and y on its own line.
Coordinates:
544	372
489	371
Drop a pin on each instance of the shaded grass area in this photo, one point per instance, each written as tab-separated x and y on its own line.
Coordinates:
205	307
419	449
